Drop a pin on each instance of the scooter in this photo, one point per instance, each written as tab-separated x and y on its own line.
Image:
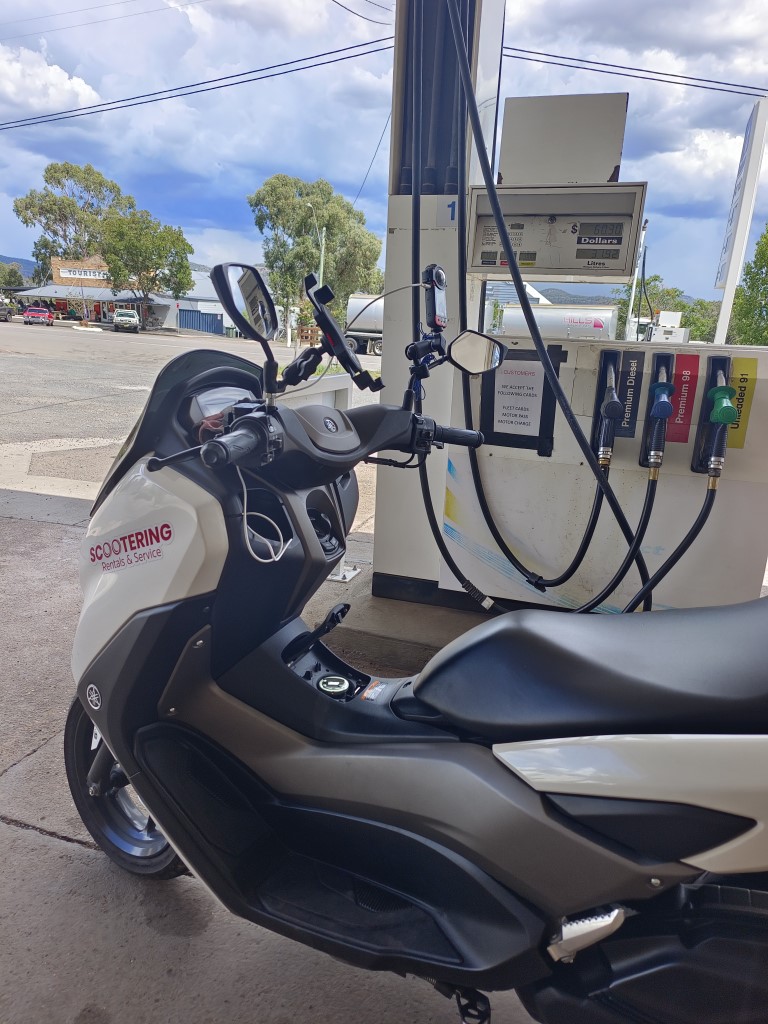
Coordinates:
574	807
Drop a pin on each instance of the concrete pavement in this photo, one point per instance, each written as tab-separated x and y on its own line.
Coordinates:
80	941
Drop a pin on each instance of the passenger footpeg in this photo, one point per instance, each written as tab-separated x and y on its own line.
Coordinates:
301	644
474	1007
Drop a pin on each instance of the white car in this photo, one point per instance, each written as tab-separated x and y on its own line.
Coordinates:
126	320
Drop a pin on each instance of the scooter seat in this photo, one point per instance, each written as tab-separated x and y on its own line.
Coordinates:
536	674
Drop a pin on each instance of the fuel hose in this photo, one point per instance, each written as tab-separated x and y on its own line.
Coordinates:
534	579
717	457
549	370
634	547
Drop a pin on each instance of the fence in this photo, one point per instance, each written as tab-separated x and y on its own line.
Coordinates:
195	320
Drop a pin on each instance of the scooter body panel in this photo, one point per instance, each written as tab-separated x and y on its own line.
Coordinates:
156	539
721	773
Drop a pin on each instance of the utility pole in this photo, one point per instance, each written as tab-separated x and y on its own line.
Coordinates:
322	254
631	306
321	240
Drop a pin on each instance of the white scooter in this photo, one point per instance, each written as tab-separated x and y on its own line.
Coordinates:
574	807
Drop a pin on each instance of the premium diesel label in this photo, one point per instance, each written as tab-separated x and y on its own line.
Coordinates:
630	391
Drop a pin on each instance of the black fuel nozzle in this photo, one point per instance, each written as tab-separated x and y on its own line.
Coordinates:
661	409
611	410
717	445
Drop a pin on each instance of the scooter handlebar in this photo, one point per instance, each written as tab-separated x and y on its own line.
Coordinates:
454	435
230	448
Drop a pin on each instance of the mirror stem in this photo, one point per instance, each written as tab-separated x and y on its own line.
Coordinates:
271	387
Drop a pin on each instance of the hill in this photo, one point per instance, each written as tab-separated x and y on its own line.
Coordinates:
27	266
562	297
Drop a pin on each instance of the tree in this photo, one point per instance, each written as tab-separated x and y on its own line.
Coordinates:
749	317
700	316
292	213
42	252
70	211
144	255
660	297
11	275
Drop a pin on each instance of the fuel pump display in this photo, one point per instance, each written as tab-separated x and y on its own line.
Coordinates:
559	232
551	242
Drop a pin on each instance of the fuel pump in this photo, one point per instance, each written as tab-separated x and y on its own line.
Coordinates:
516	527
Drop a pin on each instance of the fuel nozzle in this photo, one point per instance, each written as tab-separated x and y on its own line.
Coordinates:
723	409
718	445
661	391
724	412
610	411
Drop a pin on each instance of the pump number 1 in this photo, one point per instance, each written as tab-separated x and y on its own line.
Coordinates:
446	214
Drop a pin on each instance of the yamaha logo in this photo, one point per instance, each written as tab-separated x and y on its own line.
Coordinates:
93	697
330	424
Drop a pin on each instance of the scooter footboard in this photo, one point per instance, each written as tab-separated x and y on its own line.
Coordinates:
307	873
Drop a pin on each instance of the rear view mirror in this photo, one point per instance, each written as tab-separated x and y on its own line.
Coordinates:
246	299
472	352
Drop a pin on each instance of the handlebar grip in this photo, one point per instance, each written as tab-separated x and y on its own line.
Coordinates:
453	435
229	448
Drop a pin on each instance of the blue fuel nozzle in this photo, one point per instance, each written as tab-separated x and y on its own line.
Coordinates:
661	392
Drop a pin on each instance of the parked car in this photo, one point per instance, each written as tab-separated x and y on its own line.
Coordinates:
6	311
126	320
38	315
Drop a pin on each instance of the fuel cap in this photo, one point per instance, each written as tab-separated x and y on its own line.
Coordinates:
334	686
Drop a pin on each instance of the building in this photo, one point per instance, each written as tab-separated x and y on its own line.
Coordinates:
79	284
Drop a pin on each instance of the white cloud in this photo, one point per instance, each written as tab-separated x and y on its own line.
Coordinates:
29	85
217	245
297	17
192	161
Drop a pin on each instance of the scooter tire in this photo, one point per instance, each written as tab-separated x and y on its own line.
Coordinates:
120	825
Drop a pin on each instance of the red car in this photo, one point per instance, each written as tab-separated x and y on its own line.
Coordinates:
38	315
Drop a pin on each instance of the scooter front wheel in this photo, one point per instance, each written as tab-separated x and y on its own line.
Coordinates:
111	810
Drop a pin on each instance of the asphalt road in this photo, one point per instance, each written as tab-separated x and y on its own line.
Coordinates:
80	941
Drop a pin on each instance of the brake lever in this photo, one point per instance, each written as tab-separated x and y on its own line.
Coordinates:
154	463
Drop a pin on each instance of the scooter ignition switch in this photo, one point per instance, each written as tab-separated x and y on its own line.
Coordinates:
337	687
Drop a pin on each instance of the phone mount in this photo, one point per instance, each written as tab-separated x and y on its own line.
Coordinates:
333	339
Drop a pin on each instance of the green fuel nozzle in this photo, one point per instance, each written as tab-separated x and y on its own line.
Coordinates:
723	409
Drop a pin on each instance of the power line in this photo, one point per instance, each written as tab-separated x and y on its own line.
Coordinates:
358	15
62	14
629	67
103	21
370	165
382	6
171	92
119	105
626	74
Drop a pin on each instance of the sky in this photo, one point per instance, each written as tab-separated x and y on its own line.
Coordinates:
192	161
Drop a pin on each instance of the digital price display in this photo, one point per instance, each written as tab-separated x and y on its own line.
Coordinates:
558	232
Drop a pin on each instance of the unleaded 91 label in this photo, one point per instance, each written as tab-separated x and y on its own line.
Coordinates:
744	380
